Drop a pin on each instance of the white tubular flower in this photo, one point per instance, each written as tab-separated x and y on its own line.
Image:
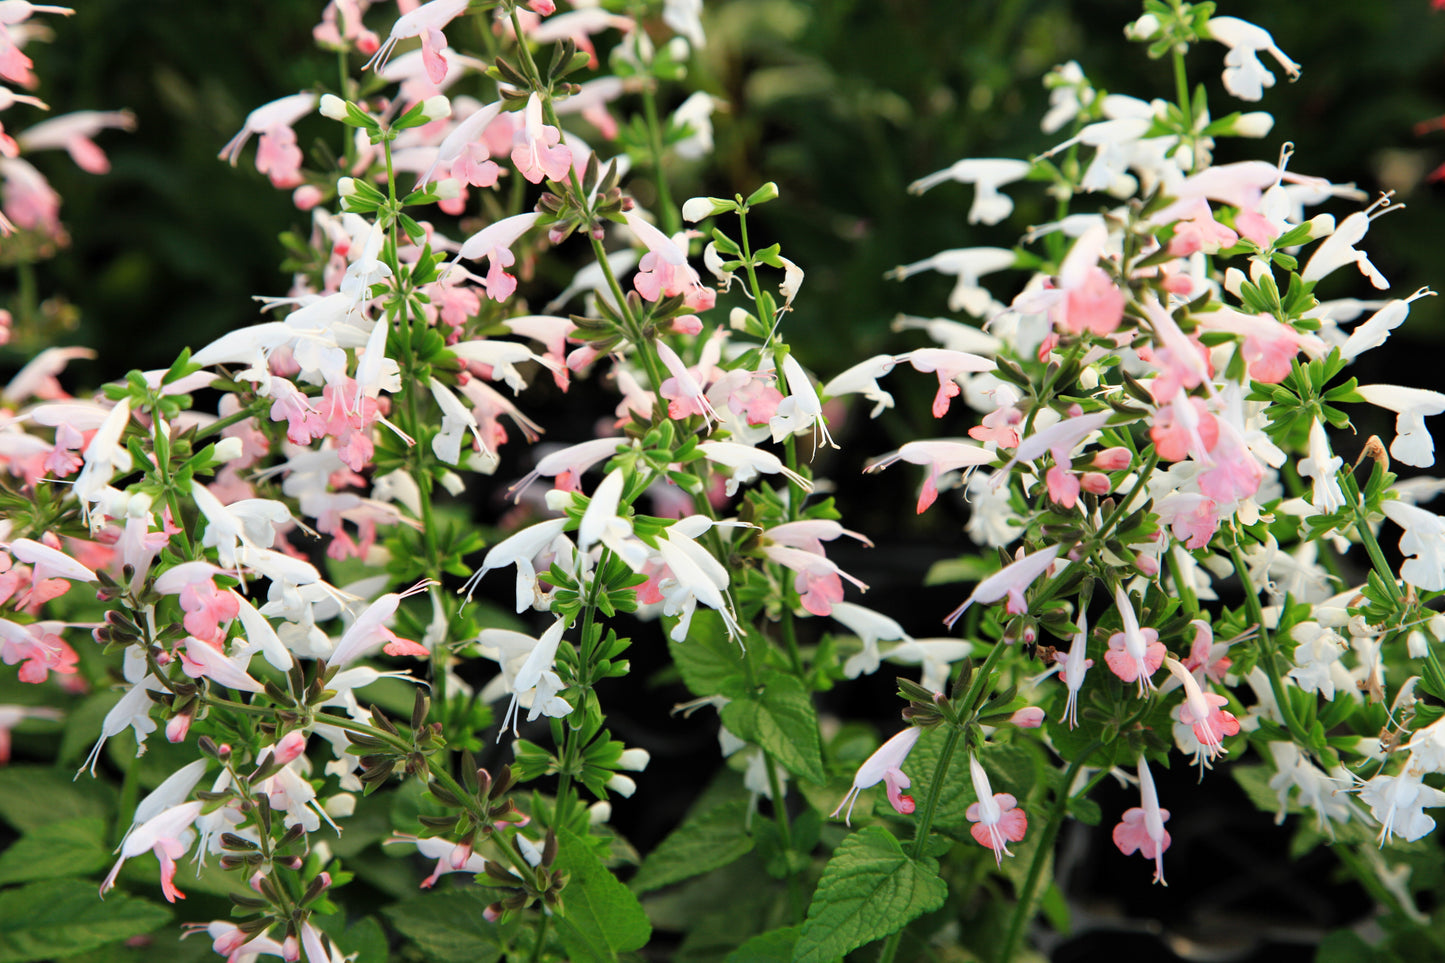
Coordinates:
747	463
1373	332
987	175
1423	541
871	628
519	550
1413	444
1339	249
1244	75
1323	466
968	264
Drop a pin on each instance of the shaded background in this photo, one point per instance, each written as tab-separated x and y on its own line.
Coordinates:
842	103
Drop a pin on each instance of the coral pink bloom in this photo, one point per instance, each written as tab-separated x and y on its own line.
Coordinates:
1204	711
1268	345
425	22
1199	231
1180	361
535	148
885	766
1142	828
996	819
1184	427
1086	298
1134	654
1063	486
30	202
369	630
1206	657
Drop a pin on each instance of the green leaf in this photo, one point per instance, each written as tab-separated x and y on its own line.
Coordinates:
700	845
59	917
448	927
710	662
870	889
74	847
600	917
35	796
781	718
775	946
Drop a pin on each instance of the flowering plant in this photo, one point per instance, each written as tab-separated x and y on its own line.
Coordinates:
289	583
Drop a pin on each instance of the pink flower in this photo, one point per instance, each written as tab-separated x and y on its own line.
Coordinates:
73	132
1142	828
1073	666
996	817
425	22
1010	581
663	270
1134	654
948	365
369	630
1200	232
1204	711
168	834
277	155
535	148
885	765
941	456
494	242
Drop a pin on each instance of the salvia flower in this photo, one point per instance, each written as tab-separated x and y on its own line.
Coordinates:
997	820
1142	829
885	766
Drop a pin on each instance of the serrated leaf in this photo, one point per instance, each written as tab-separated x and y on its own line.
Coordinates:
702	844
600	917
60	917
448	927
780	718
73	847
709	661
869	890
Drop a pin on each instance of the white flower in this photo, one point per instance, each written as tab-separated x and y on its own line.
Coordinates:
1424	541
1413	444
871	628
967	264
1316	651
1244	75
1323	466
1339	249
987	175
520	550
1373	332
1399	802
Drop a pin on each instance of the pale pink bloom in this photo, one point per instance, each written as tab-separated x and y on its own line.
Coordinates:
1207	658
38	648
987	175
1199	231
1059	440
1192	518
1029	717
208	609
1000	426
14	65
201	659
1181	361
277	153
1063	486
451	857
997	820
49	562
73	132
168	834
1073	666
1204	712
1086	299
567	465
818	580
1413	444
885	766
941	456
341	28
683	392
30	202
663	270
551	331
369	630
494	242
488	406
1244	75
1268	345
536	152
463	148
1339	249
747	463
591	102
425	22
1184	427
1134	654
579	26
1009	581
1142	829
948	365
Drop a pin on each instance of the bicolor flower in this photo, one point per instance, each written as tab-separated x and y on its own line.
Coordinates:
885	766
941	456
948	366
73	132
369	630
494	243
168	834
1142	828
425	22
535	148
1204	712
663	270
277	154
997	820
1009	581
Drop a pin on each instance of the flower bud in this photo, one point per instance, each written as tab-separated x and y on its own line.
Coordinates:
1095	483
697	208
291	746
1256	123
1416	645
346	186
1321	225
1029	717
340	806
229	449
307	196
1437	627
447	189
622	785
1145	28
687	324
333	106
634	759
1233	280
599	813
436	108
1113	459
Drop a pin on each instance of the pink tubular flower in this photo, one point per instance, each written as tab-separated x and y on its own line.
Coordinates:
885	765
1142	828
997	820
663	270
494	242
1134	654
535	148
1072	668
425	22
169	834
948	365
941	456
277	155
369	630
73	132
1010	581
1204	711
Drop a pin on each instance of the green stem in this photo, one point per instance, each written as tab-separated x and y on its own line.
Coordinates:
1176	572
1023	912
1268	653
541	937
780	816
1181	90
666	209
